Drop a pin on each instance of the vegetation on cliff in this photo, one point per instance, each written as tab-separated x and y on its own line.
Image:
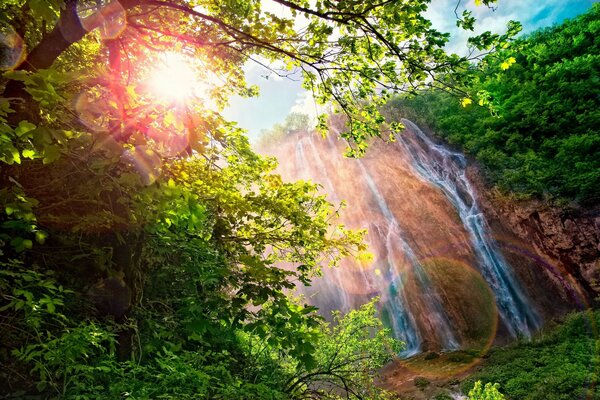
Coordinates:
541	138
560	363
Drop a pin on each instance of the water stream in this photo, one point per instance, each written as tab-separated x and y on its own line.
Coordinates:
447	170
397	202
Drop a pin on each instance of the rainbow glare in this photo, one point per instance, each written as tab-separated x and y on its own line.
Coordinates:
465	293
145	162
169	143
95	108
12	48
109	17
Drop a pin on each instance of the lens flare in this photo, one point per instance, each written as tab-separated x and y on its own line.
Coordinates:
169	143
464	292
109	17
97	108
179	79
12	48
145	161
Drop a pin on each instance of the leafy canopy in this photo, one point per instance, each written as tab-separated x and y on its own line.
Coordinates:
147	251
349	53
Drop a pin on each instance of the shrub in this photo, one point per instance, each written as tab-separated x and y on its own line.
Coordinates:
421	382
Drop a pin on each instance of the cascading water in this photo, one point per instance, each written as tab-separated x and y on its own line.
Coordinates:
436	316
402	322
447	170
423	221
339	298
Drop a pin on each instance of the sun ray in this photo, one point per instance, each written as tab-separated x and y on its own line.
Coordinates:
175	79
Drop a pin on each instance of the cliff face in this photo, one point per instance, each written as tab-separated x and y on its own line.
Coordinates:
413	229
454	265
564	242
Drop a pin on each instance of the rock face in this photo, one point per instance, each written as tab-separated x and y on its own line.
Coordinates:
453	265
565	241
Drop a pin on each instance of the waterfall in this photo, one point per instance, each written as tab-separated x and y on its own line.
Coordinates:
436	317
447	170
301	171
339	299
390	283
428	238
329	187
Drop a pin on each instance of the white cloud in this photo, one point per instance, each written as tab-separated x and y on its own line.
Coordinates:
532	14
306	104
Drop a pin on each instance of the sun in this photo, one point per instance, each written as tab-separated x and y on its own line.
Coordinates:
174	79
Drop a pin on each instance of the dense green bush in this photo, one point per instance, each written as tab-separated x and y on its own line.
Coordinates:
421	382
541	138
124	275
561	364
487	392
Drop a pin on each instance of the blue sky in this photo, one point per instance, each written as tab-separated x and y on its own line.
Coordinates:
278	96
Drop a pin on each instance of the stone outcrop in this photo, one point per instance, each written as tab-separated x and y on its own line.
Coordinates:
427	266
565	239
553	252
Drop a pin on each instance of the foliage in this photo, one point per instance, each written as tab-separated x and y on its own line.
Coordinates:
560	363
147	252
293	123
194	262
183	358
354	342
346	54
541	138
421	382
487	392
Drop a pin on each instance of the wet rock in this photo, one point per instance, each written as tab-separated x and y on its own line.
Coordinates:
565	241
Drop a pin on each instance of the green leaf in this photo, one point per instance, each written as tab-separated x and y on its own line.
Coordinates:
507	64
17	75
51	153
16	157
40	237
23	128
20	244
28	153
45	9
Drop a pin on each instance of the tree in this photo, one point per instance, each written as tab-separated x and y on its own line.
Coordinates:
354	343
352	53
142	239
541	139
